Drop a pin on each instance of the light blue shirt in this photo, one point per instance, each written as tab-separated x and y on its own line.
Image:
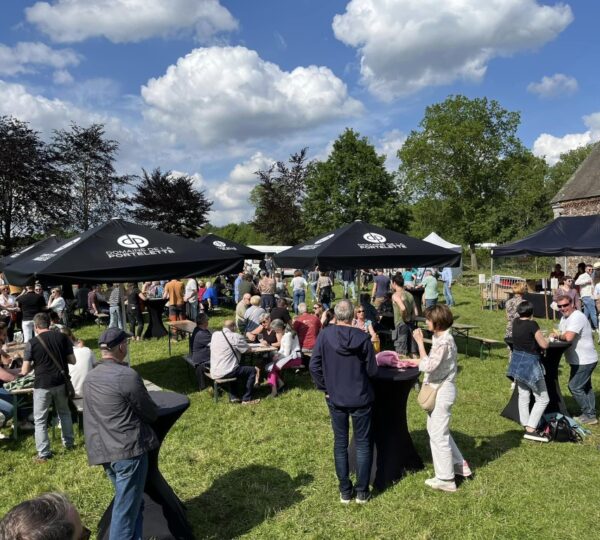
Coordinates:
447	275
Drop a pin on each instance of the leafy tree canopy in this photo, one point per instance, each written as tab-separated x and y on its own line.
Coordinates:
352	184
32	193
170	203
85	158
278	198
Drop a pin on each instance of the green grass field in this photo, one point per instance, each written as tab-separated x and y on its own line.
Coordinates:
267	471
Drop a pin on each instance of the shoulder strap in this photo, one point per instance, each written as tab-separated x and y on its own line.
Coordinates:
53	358
230	345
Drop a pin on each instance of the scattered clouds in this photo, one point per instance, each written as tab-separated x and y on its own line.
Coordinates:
550	147
389	144
27	56
122	21
62	76
407	45
224	94
231	203
554	86
243	173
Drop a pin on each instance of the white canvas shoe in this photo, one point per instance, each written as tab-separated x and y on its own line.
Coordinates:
442	485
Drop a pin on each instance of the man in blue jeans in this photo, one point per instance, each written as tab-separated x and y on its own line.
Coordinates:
343	360
117	417
581	355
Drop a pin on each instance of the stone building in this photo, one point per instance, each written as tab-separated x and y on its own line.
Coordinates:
580	196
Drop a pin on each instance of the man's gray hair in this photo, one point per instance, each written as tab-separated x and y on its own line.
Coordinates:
263	317
41	320
44	518
344	311
302	308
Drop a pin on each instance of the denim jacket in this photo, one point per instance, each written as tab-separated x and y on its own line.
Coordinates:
526	368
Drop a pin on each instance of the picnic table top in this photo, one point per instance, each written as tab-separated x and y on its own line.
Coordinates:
258	348
183	326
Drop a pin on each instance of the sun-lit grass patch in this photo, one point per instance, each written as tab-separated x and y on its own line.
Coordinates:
267	471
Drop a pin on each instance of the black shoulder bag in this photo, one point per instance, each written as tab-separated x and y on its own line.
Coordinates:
70	390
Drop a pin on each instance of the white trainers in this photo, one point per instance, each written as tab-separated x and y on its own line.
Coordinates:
442	485
463	469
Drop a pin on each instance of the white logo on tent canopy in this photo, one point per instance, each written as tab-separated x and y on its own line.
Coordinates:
374	237
68	244
219	244
132	241
324	239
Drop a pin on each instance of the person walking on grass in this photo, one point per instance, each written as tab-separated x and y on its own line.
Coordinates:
575	328
343	360
440	369
526	370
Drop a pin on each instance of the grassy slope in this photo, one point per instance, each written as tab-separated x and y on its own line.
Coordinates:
267	471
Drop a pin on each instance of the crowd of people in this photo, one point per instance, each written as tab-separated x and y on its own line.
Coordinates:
338	341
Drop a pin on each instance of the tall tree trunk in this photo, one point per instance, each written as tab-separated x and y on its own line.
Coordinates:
474	266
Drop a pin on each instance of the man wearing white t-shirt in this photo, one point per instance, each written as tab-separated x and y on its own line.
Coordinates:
575	328
586	285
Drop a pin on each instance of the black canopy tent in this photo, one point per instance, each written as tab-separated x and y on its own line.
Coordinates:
229	246
566	235
361	245
117	252
46	243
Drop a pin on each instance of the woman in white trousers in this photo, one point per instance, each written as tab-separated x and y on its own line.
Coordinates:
440	370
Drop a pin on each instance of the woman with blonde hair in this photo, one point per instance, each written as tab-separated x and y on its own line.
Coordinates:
440	368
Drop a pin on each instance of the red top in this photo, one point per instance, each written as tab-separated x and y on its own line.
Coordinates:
307	326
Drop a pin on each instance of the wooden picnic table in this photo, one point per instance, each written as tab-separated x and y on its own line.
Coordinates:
258	348
460	329
185	327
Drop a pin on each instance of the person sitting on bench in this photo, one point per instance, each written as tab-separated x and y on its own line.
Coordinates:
226	348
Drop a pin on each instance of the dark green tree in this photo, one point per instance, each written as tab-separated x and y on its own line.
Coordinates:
86	160
277	200
352	184
460	156
170	203
32	193
243	233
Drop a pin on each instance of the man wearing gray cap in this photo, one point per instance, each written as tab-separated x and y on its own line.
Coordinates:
117	415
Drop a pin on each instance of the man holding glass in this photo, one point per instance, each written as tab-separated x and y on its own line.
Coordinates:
581	356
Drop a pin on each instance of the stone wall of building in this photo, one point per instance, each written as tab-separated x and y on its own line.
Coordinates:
582	207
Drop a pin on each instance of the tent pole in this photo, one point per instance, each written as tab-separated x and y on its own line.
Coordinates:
124	317
491	281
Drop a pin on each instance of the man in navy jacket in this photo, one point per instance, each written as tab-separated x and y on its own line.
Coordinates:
343	360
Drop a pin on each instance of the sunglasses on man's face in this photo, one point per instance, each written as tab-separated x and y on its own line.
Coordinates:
562	306
360	311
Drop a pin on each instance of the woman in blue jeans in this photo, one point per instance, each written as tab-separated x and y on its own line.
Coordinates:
299	285
526	370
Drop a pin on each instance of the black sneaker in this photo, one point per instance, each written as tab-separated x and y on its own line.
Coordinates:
363	497
536	436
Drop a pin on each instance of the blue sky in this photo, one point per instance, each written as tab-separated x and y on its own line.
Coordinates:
217	89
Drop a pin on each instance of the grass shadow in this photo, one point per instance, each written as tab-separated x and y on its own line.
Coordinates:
170	373
243	498
478	451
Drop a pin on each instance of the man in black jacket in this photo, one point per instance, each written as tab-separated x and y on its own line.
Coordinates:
117	414
343	360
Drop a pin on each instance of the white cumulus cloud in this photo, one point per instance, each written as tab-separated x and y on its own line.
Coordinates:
223	94
26	56
122	21
551	147
389	144
243	173
406	45
557	85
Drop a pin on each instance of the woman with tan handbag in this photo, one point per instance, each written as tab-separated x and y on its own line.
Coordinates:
437	396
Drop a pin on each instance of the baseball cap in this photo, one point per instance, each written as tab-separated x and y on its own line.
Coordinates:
112	337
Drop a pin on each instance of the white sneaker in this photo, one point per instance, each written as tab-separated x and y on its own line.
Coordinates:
442	485
463	469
